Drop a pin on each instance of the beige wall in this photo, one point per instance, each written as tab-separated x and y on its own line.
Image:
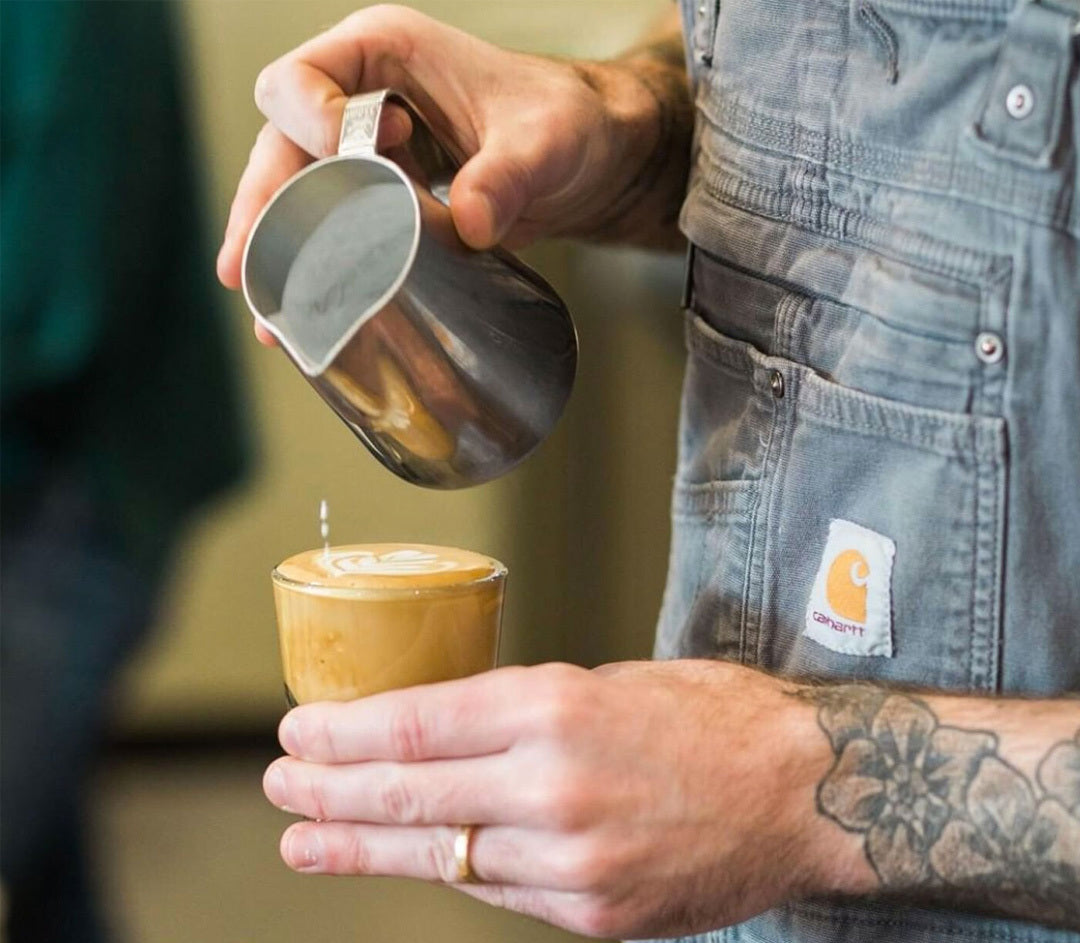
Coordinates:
582	525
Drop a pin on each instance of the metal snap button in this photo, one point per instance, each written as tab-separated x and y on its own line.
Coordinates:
1019	101
702	8
989	347
776	384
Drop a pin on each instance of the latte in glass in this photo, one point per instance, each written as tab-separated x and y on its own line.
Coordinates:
358	619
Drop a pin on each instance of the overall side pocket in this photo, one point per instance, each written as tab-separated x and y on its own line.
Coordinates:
881	552
724	427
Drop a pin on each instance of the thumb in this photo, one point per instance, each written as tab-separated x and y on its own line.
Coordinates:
488	195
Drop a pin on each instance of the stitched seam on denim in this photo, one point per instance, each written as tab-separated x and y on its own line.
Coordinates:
912	170
1000	552
739	363
833	915
983	629
730	117
880	418
990	391
712	936
831	399
875	431
745	626
911	248
836	405
914	425
918	333
885	37
985	11
798	310
706	516
786	411
753	570
735	359
822	148
977	514
784	324
713	500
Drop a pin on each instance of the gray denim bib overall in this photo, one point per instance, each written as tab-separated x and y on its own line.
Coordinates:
883	324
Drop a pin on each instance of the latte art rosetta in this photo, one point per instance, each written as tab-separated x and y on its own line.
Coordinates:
392	563
387	566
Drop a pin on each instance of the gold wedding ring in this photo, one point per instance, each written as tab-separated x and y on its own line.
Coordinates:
462	852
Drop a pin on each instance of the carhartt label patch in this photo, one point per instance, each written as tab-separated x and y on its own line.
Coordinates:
850	607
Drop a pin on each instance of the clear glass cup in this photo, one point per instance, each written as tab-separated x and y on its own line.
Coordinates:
364	618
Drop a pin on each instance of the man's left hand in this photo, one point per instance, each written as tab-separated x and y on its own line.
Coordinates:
636	799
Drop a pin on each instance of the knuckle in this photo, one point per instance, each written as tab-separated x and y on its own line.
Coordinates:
315	735
388	29
361	20
381	15
562	675
596	918
358	855
408	735
440	858
390	32
318	802
587	869
399	802
517	169
558	702
326	144
562	801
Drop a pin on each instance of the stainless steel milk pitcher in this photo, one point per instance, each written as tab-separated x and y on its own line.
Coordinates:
450	365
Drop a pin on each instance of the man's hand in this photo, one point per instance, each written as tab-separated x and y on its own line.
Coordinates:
553	147
668	798
637	799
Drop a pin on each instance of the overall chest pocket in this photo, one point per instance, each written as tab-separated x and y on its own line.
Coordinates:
841	520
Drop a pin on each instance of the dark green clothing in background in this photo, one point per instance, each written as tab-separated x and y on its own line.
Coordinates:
113	348
119	408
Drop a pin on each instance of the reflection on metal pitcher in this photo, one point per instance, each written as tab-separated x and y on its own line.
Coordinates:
451	365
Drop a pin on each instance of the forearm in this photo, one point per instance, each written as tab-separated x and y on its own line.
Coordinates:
957	801
650	97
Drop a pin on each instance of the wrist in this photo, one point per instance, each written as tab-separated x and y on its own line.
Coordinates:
825	861
648	124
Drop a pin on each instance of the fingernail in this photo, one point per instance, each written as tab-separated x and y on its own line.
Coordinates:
289	734
303	851
499	225
275	788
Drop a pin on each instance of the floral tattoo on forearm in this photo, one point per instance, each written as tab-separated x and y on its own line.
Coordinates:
944	817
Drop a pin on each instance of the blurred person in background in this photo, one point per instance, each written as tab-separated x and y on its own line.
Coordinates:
876	488
120	409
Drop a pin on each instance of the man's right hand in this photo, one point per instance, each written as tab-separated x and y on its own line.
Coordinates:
552	147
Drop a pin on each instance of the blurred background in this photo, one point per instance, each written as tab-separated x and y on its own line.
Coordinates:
181	843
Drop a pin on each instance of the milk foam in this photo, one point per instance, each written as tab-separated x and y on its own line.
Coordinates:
387	566
395	562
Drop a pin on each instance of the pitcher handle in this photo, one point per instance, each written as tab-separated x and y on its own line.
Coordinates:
435	157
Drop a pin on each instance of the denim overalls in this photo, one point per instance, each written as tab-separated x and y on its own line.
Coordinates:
879	459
